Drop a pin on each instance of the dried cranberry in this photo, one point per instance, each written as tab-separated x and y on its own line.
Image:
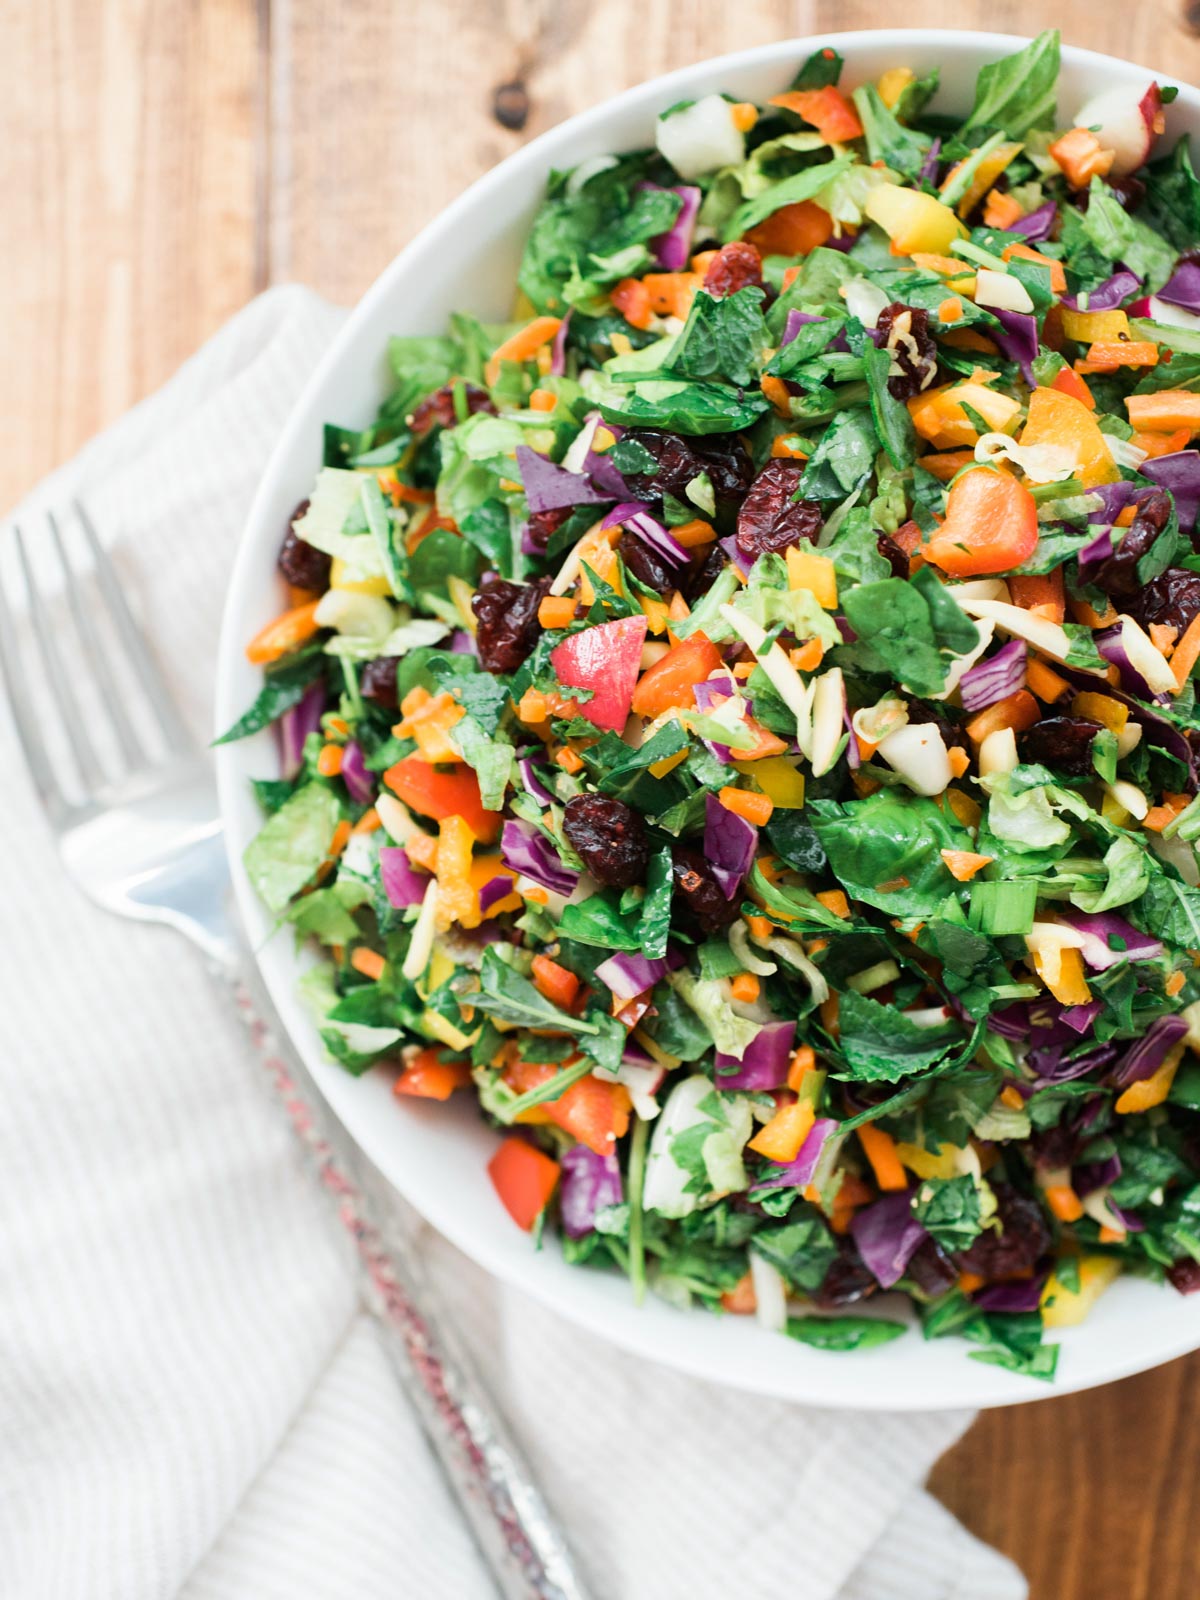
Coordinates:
931	1269
735	266
1016	1246
770	519
700	579
1117	575
378	682
508	620
302	564
542	524
1127	192
700	892
904	332
952	734
438	409
892	554
846	1281
1062	742
1185	1275
646	565
1173	599
609	837
723	460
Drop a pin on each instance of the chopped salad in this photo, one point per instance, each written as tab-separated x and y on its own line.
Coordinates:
738	718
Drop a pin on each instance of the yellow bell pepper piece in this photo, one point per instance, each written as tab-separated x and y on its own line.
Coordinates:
816	573
428	719
458	898
1101	708
341	577
483	870
1064	1308
1090	326
777	778
1151	1091
988	171
1062	973
913	221
1059	419
893	83
928	1165
659	769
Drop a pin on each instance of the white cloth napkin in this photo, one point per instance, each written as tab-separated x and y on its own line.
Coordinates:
191	1402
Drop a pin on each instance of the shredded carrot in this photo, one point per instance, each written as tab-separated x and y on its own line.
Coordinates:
1017	711
759	927
1183	657
1110	355
369	962
671	293
776	392
1082	612
947	463
533	706
556	611
1112	1235
1047	685
1174	984
1157	818
1081	156
337	725
964	864
693	533
421	849
783	448
1163	636
743	115
880	1150
755	808
835	900
284	634
950	310
1162	444
1000	210
828	1013
1064	1202
800	1065
542	400
1011	1096
807	656
740	1301
971	1282
522	345
1042	594
568	760
1058	277
368	822
745	987
329	762
960	761
1164	412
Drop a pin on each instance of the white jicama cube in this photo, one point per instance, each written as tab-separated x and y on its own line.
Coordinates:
701	137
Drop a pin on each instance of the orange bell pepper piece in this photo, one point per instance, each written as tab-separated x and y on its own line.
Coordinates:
1165	411
827	109
991	525
1059	419
429	1078
670	681
439	793
792	230
284	634
555	983
524	1178
593	1110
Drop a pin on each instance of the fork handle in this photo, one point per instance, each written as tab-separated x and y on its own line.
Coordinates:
512	1525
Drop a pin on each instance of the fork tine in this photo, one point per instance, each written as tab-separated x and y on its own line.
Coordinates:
28	732
95	656
146	668
90	770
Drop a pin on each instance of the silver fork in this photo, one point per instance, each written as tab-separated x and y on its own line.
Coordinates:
138	829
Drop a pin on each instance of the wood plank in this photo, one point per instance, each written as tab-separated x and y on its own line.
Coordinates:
127	168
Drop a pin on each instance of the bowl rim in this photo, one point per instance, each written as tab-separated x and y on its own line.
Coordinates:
980	1385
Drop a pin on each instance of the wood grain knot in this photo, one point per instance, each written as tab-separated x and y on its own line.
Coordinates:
510	104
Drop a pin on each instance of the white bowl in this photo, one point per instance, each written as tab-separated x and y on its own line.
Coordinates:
436	1155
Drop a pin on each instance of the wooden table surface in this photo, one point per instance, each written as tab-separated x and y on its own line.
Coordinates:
164	160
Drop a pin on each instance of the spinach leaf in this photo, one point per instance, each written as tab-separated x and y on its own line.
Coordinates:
907	631
679	405
598	920
803	1251
1117	235
722	338
1172	909
949	1210
891	835
844	1332
821	275
509	997
284	686
1018	93
881	1045
655	922
893	423
843	458
902	149
1173	199
420	363
823	67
